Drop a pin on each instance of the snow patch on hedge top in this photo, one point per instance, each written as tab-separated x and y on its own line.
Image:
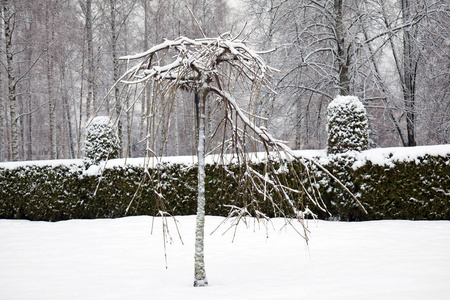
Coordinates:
41	163
378	156
100	120
347	101
388	156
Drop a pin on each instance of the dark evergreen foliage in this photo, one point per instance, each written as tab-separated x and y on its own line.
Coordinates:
347	125
415	190
102	141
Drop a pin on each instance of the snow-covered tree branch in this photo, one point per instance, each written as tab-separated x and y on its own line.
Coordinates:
223	78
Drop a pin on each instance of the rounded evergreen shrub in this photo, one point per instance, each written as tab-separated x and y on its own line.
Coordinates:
347	125
102	141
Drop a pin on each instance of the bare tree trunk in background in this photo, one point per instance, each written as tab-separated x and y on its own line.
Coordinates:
96	72
409	77
14	147
66	113
49	13
29	121
68	125
90	59
298	125
2	122
145	95
177	130
128	119
2	101
114	37
80	110
342	51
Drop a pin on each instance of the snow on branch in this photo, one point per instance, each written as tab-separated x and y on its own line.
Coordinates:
192	57
224	73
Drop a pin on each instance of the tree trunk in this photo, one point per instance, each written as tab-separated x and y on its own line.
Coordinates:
51	97
200	273
29	154
90	59
68	125
14	147
28	118
146	94
67	114
2	121
177	130
298	125
115	58
342	53
79	119
409	76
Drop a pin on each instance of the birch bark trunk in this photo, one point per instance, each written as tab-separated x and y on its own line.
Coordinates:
90	59
51	107
2	122
114	36
200	272
146	94
28	118
14	147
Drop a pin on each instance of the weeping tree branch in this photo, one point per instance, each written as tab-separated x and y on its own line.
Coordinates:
225	66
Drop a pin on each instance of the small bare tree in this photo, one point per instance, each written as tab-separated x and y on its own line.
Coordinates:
220	71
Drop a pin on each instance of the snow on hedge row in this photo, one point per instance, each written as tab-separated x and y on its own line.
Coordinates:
378	156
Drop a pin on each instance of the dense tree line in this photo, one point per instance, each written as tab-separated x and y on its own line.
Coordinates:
392	54
59	58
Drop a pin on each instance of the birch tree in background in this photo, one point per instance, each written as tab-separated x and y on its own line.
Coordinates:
8	19
226	73
49	37
86	7
2	102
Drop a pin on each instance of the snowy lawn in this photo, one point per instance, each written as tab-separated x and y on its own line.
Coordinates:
120	259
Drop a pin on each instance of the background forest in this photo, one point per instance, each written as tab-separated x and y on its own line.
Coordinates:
59	59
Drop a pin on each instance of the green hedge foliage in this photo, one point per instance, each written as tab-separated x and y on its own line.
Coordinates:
415	190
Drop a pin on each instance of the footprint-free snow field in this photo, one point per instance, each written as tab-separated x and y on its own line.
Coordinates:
122	259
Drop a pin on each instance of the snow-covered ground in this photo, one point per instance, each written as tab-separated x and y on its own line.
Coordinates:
121	259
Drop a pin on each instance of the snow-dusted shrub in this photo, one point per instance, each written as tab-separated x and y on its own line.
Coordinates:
347	125
102	141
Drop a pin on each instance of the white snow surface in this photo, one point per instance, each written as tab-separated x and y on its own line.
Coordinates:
379	156
346	101
121	259
100	120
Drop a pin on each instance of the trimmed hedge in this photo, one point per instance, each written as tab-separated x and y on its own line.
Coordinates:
415	190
